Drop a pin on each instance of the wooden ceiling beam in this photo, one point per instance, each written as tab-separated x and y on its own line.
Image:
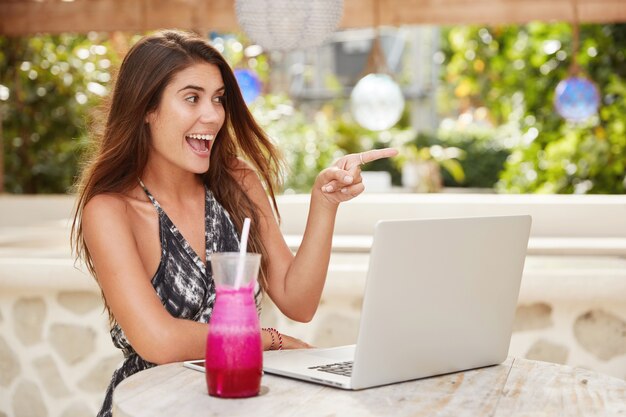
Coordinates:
27	17
452	12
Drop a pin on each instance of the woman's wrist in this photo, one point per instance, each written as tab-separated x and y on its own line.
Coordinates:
320	201
268	335
276	338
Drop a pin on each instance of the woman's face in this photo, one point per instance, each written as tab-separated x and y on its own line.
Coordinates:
187	119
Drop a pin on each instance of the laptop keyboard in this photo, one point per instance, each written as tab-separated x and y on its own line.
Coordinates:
339	368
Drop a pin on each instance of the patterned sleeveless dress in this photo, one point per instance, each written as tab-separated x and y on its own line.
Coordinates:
182	281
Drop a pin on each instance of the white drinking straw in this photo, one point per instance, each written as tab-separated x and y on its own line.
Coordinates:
243	246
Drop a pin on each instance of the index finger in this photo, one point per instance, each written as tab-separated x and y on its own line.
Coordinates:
375	154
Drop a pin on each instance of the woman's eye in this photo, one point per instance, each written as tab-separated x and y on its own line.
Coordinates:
219	99
192	99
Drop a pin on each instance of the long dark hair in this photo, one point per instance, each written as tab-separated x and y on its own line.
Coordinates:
121	149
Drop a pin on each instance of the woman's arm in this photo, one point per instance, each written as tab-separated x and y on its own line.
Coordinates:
296	283
154	334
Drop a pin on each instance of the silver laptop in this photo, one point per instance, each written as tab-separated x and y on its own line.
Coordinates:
440	297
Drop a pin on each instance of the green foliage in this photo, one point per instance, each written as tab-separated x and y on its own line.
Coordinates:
353	138
240	52
513	71
307	147
311	143
51	82
426	147
483	154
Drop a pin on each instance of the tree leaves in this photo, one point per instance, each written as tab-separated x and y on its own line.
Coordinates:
53	82
523	65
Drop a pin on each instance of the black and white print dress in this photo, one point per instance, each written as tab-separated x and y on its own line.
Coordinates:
182	281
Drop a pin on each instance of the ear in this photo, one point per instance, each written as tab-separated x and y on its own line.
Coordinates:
149	118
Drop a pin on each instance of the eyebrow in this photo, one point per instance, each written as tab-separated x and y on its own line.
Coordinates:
198	88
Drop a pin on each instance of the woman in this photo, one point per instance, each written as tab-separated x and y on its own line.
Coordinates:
166	187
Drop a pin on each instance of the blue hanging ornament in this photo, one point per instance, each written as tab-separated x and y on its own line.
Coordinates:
576	98
249	83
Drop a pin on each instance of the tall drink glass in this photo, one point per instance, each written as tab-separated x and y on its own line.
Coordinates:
234	352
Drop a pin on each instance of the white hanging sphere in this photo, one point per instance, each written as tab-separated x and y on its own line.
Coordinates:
377	102
282	25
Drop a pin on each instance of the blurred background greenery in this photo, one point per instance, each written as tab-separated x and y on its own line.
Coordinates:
498	128
513	71
49	86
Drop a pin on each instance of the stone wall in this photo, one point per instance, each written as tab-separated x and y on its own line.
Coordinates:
56	356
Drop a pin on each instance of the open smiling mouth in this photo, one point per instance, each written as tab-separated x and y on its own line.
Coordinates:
199	142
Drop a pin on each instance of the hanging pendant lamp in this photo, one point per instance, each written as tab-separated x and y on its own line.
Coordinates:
283	25
376	101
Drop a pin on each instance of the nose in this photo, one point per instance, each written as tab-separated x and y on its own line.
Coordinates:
211	112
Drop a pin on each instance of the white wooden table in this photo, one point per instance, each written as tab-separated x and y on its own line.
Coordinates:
517	387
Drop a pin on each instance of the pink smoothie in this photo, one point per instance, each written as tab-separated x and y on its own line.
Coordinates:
234	353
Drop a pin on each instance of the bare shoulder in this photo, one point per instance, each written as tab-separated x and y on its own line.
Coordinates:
105	205
105	213
245	174
109	229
